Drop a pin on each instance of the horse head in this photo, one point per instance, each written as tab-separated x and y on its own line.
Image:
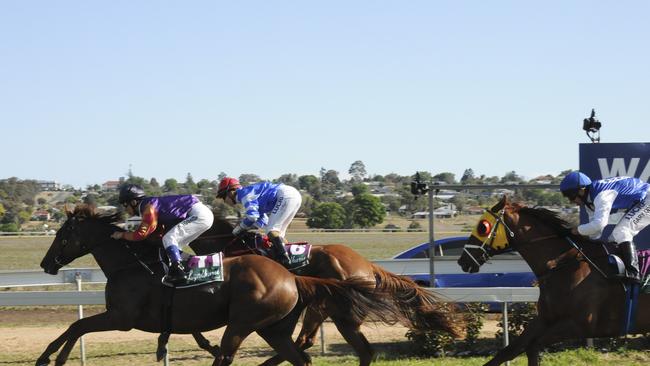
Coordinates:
71	240
511	226
489	237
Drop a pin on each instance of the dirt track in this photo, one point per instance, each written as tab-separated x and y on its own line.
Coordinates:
25	331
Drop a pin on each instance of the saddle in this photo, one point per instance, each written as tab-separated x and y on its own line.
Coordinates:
255	243
617	267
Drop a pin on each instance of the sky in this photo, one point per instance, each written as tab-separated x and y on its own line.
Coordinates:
91	89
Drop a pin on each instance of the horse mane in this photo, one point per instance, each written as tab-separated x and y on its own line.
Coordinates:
551	218
86	211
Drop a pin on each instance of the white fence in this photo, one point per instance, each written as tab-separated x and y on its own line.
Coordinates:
78	276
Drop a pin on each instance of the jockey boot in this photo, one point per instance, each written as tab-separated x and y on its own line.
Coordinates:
628	254
280	253
176	272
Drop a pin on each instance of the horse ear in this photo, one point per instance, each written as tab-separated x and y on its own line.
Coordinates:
501	204
67	210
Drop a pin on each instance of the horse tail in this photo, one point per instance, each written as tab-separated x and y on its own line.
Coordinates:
422	309
353	299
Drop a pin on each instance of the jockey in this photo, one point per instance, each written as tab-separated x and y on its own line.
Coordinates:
600	197
279	201
182	217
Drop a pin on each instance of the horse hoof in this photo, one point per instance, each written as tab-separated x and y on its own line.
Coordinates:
42	362
160	354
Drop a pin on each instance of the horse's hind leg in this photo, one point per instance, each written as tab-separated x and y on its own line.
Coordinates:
310	325
232	338
356	339
284	346
161	351
204	343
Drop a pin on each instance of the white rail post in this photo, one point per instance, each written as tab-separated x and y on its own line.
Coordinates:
322	339
80	312
506	340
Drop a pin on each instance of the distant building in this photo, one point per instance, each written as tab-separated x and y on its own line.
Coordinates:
41	215
49	185
110	186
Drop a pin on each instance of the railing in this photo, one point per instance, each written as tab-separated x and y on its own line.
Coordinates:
504	295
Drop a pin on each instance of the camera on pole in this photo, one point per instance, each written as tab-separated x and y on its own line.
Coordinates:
592	126
418	187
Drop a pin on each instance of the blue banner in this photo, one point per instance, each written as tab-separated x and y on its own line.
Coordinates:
600	161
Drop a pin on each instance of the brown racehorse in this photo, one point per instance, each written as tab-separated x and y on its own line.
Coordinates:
420	309
577	299
257	295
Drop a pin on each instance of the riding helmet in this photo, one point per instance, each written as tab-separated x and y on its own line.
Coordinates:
227	184
130	192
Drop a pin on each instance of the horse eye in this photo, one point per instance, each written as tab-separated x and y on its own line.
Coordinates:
484	228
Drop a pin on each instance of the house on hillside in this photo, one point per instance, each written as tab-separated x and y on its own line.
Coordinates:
110	186
41	215
49	185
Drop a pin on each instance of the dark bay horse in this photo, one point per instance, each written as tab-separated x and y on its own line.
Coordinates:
419	308
577	299
257	295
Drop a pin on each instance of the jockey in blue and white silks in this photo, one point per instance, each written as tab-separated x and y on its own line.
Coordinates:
266	205
600	198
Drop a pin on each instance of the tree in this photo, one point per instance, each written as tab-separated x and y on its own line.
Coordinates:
359	189
365	211
311	184
468	177
449	178
289	179
511	177
357	171
190	186
328	215
170	185
2	210
246	179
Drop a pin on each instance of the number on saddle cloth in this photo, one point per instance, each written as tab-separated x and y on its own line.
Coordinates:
298	253
204	269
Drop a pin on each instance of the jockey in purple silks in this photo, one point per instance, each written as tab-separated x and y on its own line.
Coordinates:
183	218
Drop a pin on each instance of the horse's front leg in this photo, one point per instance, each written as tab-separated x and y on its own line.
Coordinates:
96	323
534	329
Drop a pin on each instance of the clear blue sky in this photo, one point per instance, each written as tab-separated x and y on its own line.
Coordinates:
88	88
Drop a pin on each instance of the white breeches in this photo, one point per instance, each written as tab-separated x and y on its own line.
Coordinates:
286	207
198	220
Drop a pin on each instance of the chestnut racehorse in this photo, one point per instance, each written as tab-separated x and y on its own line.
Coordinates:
578	298
419	308
257	295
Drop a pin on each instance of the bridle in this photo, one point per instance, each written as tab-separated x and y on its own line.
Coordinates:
60	259
485	254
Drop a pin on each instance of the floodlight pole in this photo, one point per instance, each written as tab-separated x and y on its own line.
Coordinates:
432	248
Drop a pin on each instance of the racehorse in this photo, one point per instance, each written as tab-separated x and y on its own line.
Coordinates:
419	308
257	294
578	298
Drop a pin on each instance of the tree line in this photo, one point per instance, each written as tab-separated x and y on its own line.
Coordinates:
328	201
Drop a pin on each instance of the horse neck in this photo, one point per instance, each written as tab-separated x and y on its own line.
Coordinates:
111	255
538	253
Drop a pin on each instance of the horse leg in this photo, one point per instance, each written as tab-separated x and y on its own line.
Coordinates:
534	329
230	343
532	353
310	324
96	323
356	339
285	347
161	351
204	343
